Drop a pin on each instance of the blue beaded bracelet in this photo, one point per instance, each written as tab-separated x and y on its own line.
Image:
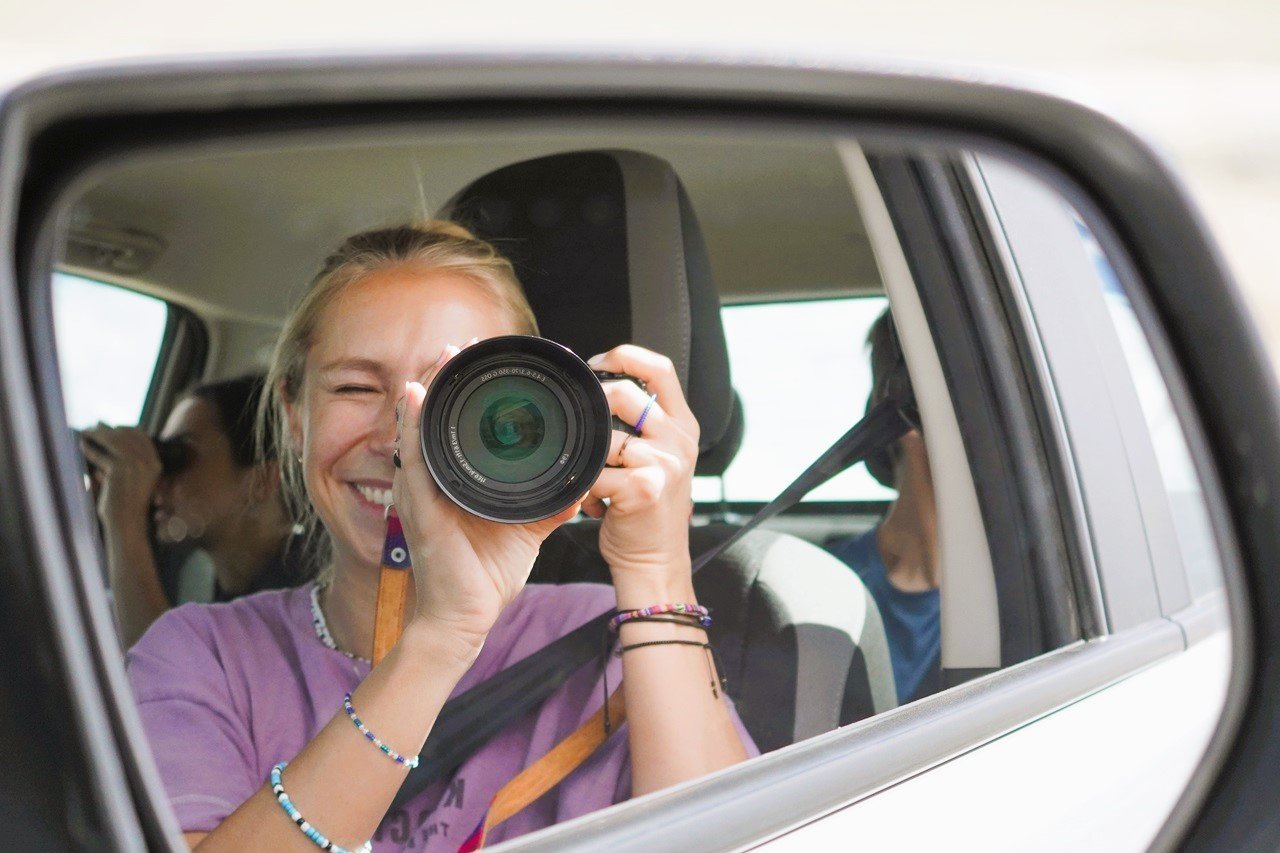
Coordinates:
277	788
369	736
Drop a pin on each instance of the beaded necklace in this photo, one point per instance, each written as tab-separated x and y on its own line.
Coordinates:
322	627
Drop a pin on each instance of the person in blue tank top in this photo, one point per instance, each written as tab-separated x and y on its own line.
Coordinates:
897	559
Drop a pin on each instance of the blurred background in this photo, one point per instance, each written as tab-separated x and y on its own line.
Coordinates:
1201	79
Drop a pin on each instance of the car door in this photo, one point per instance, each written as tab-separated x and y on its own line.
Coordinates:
1093	596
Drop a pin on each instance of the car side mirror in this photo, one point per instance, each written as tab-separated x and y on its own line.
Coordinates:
917	137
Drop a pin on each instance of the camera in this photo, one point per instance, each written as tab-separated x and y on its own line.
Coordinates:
516	428
173	454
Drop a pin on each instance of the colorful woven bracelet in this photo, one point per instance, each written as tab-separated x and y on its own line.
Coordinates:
317	838
373	739
693	611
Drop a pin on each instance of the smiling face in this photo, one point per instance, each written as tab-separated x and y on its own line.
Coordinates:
381	331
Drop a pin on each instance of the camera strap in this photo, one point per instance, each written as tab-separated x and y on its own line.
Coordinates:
393	588
470	720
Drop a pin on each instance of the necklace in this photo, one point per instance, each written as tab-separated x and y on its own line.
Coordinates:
322	627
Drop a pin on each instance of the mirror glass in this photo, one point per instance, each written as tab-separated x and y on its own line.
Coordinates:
795	281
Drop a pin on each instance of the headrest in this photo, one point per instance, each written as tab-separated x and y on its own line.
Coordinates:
714	461
609	251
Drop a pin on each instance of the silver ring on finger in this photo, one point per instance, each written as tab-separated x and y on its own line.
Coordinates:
622	449
639	427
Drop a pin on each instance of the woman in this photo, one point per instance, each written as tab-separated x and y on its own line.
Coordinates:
229	691
218	497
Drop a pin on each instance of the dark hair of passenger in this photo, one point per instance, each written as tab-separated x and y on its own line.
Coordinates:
888	370
236	402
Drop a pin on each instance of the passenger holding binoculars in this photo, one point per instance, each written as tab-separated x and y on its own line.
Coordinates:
230	694
198	485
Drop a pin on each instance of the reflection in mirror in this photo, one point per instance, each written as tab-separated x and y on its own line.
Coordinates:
765	291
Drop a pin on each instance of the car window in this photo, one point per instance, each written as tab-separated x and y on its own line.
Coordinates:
802	373
1177	472
108	343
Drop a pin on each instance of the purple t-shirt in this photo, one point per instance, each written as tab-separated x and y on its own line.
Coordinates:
225	691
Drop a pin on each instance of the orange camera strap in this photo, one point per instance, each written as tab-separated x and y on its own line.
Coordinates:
548	771
393	588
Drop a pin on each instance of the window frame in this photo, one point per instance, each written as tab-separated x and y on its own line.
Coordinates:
1001	407
184	354
1101	409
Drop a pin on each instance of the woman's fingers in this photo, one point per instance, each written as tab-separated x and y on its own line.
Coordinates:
447	353
403	417
95	455
129	445
628	450
594	507
409	414
631	490
624	447
658	374
409	442
628	402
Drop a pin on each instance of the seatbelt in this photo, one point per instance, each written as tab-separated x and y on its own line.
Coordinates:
470	720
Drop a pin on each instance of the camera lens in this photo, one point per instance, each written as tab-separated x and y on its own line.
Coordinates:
515	428
512	429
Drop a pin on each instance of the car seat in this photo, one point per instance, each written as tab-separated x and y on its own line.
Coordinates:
609	251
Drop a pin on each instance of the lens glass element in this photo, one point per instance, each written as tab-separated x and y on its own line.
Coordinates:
512	429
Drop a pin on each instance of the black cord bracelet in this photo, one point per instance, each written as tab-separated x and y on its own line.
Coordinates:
628	648
675	618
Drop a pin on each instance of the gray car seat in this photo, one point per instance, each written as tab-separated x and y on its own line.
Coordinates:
609	251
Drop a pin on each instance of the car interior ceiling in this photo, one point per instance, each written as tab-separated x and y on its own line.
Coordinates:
232	227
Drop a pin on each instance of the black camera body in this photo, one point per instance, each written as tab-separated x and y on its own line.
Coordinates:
516	428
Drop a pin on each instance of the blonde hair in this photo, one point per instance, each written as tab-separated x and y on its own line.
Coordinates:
430	245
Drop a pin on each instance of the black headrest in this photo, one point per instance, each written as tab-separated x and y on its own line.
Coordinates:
609	251
714	461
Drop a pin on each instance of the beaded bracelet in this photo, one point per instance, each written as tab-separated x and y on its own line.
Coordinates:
373	739
693	611
277	788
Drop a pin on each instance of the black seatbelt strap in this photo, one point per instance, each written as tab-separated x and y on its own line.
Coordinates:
469	721
885	423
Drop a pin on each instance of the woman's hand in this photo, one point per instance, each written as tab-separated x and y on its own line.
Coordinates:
466	569
126	470
645	534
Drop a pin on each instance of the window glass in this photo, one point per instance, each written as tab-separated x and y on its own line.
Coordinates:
802	371
1186	499
108	343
